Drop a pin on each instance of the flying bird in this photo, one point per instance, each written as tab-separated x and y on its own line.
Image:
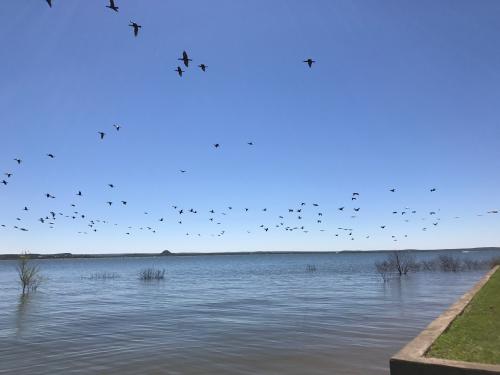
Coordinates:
51	156
19	161
185	59
309	62
79	193
4	182
112	5
392	190
101	134
216	145
136	27
9	175
179	71
433	190
117	127
49	2
111	185
203	67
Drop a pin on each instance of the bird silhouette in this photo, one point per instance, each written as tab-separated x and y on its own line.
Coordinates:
250	143
19	161
179	71
185	59
136	27
182	171
203	67
124	203
111	185
51	156
110	203
4	182
112	5
49	2
8	174
101	134
341	208
117	127
433	190
216	145
79	193
392	190
309	62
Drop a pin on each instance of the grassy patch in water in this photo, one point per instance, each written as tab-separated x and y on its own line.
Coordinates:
152	273
474	336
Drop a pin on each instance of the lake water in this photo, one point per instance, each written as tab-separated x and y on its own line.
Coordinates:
238	314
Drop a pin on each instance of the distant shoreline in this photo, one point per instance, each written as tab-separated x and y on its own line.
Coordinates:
167	253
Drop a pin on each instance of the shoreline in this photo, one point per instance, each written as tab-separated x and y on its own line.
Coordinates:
167	253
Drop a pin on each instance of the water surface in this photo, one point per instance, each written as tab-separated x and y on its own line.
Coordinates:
238	314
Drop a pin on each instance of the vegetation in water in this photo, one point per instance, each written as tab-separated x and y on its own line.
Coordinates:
29	274
152	273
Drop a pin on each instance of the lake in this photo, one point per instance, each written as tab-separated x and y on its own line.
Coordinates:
220	314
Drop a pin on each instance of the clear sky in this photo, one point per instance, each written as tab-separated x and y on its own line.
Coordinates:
404	94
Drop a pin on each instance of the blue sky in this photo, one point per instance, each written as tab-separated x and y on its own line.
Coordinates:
404	94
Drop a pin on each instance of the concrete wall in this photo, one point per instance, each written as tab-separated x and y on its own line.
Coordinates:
411	359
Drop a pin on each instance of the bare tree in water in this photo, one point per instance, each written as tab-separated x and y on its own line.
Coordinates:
397	263
29	274
402	261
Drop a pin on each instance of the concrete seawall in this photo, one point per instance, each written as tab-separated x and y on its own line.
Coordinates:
411	359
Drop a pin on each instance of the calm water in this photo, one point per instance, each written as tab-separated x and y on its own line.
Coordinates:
248	314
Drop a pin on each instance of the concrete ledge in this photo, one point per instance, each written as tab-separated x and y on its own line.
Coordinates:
411	359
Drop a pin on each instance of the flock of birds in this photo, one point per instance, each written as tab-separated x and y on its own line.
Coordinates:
185	57
294	219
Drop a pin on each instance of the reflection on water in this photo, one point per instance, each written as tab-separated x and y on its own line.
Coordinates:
253	314
22	308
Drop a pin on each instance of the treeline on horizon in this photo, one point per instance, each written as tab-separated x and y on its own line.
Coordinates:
169	253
